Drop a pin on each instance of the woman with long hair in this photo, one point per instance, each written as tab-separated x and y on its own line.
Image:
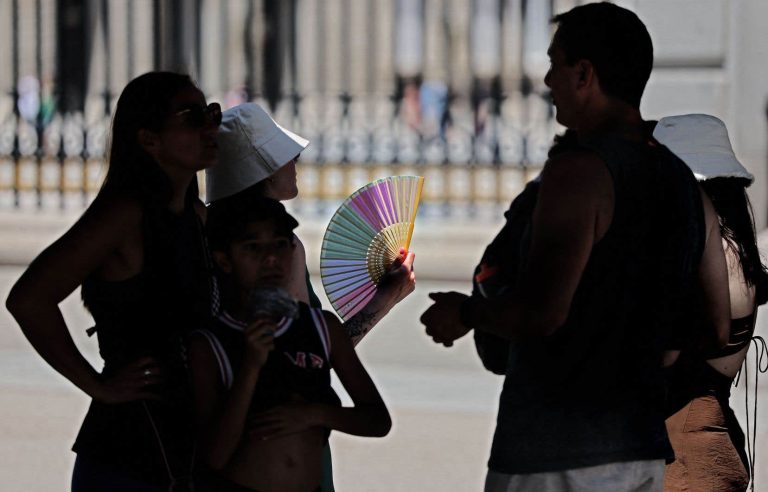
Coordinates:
706	437
139	255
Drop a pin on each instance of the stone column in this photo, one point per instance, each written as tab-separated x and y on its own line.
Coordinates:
748	74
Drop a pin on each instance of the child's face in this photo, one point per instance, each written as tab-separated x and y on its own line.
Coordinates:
282	184
261	259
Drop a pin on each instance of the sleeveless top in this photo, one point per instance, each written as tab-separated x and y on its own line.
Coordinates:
592	393
148	315
297	370
691	376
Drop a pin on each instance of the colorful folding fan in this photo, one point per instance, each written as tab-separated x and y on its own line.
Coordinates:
365	237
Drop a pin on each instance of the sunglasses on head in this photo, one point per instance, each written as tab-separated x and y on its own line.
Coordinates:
200	116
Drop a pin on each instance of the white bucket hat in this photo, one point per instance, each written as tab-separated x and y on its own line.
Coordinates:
701	141
252	147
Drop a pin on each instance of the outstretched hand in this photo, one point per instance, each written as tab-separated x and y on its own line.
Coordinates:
442	319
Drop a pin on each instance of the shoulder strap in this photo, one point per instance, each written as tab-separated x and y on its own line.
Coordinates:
225	368
318	319
314	301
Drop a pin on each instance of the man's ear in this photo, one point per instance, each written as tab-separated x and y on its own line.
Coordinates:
222	260
586	73
149	141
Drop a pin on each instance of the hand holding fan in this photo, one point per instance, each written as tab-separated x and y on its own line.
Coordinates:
365	237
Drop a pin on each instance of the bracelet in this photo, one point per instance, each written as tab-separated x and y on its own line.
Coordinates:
464	312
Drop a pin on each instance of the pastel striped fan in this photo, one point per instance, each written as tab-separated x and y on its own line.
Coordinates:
365	237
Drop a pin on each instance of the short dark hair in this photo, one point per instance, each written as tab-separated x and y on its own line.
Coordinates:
615	41
229	217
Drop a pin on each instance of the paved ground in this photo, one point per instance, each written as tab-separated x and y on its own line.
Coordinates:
443	403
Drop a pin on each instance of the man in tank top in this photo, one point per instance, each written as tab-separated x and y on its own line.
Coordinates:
617	244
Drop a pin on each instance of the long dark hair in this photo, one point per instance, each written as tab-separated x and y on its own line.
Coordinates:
729	197
145	103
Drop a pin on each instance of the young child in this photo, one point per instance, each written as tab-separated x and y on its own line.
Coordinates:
262	385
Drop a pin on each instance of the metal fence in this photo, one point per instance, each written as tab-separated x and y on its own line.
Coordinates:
451	89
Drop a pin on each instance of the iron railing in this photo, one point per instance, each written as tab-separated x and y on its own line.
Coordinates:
451	89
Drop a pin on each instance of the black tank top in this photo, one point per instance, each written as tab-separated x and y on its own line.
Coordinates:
149	314
593	392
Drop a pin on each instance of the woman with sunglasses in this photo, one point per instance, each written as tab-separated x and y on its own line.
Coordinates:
139	256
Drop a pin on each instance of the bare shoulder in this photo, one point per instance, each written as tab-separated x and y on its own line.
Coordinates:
333	321
342	350
711	220
113	209
204	369
574	167
106	239
297	241
300	250
577	177
577	184
199	348
112	221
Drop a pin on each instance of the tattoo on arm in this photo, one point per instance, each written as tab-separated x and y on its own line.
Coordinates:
359	325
